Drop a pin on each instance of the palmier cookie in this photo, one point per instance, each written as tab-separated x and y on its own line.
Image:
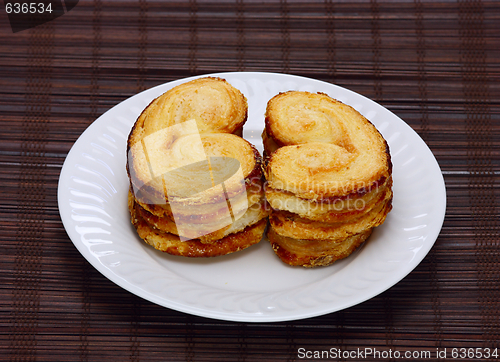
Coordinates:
201	106
329	175
193	179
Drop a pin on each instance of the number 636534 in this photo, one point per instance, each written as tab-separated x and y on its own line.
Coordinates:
28	8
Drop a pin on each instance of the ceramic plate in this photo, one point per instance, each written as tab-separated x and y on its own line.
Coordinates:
252	285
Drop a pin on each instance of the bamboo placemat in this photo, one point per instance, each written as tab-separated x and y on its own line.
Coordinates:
433	63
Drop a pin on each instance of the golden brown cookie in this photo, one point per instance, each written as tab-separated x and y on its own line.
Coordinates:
196	186
329	177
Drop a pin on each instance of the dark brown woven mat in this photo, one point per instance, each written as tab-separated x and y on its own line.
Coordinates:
433	63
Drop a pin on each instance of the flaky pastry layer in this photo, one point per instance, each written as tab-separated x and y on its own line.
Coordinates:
206	232
293	226
208	212
171	243
313	253
335	209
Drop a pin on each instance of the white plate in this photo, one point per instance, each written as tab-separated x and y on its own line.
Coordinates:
252	285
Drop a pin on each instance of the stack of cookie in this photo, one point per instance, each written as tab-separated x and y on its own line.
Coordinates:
329	178
196	186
